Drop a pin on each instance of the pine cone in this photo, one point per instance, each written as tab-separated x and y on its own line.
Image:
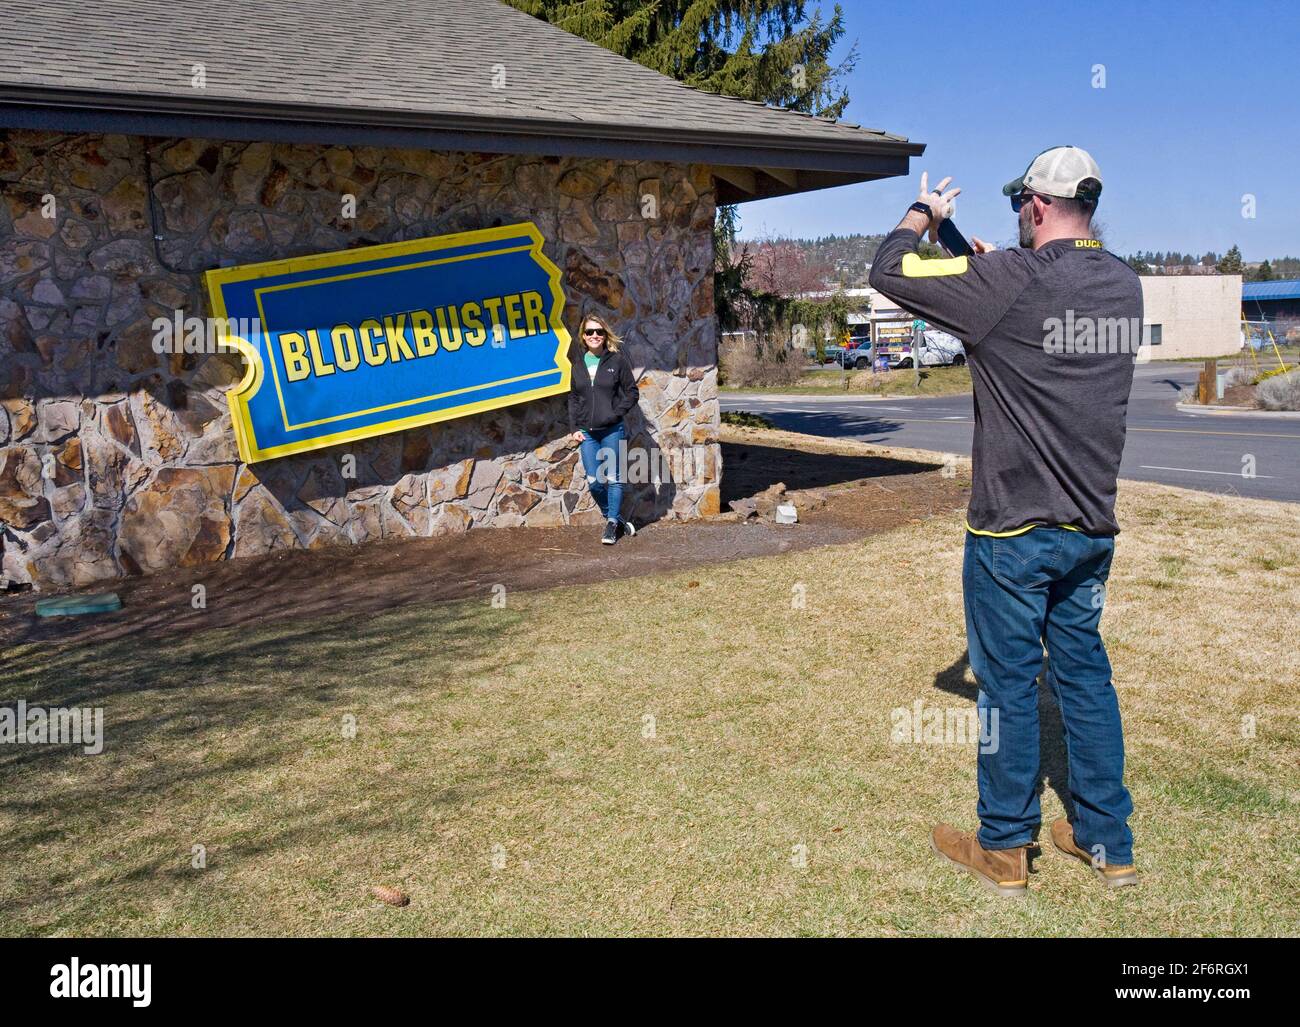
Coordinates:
390	895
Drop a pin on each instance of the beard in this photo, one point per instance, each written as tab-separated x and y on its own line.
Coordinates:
1027	226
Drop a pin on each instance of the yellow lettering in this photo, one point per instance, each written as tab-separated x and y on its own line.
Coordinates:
344	341
374	351
317	358
293	347
426	341
513	313
395	333
451	340
477	333
533	313
493	307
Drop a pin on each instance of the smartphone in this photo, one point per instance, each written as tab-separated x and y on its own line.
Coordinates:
953	241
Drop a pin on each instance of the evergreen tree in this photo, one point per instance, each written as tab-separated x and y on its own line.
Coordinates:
1231	263
765	50
1263	273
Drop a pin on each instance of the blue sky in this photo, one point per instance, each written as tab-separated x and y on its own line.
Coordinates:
1201	106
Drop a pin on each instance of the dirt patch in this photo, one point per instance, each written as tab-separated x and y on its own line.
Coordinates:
1239	396
866	489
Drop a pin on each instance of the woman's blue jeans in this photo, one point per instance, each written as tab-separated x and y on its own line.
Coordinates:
1024	593
602	459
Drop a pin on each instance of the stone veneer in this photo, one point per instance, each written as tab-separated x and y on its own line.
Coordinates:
144	473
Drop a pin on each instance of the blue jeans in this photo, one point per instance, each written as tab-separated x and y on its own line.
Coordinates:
601	460
1023	593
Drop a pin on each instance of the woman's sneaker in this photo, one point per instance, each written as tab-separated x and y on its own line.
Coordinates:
611	533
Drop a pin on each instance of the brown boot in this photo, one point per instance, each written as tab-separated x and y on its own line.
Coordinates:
1113	876
1005	871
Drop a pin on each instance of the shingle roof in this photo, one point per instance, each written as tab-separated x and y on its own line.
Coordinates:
453	68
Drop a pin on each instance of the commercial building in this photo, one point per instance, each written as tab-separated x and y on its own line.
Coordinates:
1191	316
1272	301
143	145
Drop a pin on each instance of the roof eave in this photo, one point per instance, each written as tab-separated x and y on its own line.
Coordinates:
815	162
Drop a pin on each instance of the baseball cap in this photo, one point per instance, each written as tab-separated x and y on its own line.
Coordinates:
1058	172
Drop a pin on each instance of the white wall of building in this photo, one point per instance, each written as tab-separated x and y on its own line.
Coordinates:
1198	316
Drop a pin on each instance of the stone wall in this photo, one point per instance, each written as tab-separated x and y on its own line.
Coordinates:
117	460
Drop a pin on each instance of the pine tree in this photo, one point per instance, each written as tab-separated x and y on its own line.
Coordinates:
1231	263
1263	273
765	50
769	51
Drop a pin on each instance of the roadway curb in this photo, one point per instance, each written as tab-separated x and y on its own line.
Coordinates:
1197	408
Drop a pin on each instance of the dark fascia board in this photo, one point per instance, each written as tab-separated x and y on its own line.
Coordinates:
837	161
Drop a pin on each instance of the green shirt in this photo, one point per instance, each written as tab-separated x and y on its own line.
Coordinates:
592	361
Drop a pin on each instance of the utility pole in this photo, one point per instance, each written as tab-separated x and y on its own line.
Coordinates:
917	336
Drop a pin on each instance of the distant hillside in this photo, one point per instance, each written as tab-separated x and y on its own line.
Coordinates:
847	255
839	259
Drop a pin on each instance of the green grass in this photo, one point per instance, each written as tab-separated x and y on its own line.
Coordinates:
524	735
935	381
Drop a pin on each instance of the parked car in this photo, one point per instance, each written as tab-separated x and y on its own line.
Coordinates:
857	352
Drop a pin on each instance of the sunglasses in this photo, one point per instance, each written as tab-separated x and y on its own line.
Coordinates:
1020	199
594	331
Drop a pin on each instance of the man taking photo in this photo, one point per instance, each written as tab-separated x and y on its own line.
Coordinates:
1049	434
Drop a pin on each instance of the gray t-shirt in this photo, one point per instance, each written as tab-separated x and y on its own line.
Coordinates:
1051	335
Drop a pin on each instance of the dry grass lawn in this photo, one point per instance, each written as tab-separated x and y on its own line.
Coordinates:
935	381
690	754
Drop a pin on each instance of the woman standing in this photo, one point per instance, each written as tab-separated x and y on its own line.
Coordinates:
602	391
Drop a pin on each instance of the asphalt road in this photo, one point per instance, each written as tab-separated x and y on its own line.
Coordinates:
1192	450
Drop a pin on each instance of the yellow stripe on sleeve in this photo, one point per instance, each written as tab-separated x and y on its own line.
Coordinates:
915	267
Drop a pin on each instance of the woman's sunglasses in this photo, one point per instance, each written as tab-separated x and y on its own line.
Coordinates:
594	331
1020	199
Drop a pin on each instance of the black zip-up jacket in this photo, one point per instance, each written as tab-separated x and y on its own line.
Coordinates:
1051	337
604	403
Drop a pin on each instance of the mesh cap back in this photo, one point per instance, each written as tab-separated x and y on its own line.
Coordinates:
1059	172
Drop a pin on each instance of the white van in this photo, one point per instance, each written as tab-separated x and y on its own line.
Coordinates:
939	349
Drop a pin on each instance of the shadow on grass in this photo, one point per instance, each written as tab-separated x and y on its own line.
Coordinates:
188	720
1053	765
750	469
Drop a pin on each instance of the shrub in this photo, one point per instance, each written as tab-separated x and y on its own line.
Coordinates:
744	419
762	363
1280	393
1238	376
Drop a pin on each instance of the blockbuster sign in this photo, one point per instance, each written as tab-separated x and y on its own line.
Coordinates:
345	346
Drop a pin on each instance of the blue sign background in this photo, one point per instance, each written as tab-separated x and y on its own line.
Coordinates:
275	416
